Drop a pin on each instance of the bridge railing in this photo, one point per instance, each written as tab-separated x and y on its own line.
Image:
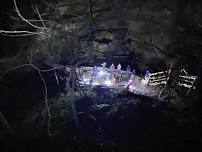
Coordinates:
187	81
183	80
159	78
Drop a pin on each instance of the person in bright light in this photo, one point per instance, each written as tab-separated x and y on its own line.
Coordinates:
127	85
128	69
95	72
112	67
104	66
119	67
147	75
113	78
130	81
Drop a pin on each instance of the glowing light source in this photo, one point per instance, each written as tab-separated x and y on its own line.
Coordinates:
102	73
95	83
108	83
144	81
86	81
131	87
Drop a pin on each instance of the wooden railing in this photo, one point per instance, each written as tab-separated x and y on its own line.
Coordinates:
159	78
183	80
187	81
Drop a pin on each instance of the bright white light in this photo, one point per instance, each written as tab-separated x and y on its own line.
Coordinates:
86	81
144	81
130	81
95	83
131	87
101	73
108	83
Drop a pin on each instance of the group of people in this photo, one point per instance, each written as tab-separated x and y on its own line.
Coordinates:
115	73
113	68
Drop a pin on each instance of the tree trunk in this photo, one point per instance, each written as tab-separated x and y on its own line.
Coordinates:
72	96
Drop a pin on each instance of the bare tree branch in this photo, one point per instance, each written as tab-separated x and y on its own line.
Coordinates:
21	32
45	88
18	12
37	12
